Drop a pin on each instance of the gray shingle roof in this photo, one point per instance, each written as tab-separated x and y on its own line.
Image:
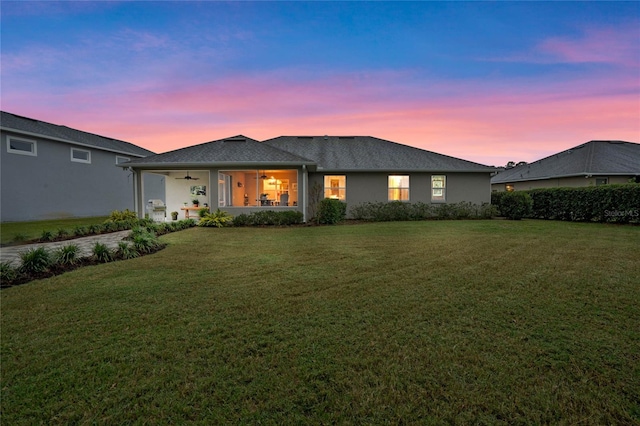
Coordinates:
29	126
366	153
591	158
237	150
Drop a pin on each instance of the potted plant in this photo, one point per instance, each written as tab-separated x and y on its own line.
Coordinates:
174	215
196	202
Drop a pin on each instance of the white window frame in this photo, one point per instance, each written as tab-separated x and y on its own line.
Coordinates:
342	189
80	160
399	188
34	145
124	159
439	198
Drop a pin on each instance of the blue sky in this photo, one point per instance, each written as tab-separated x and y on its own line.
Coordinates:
485	81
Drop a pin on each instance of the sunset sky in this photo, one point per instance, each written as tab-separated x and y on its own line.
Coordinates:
484	81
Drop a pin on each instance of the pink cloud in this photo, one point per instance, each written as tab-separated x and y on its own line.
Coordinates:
615	46
487	122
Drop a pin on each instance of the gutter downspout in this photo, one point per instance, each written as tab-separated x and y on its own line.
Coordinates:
304	193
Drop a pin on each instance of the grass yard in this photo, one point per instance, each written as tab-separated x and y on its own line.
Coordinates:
31	230
451	322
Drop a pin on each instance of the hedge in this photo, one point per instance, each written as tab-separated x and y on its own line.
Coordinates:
400	211
269	218
605	203
515	205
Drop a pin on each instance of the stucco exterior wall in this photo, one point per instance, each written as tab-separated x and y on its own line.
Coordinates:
373	187
360	188
573	182
50	185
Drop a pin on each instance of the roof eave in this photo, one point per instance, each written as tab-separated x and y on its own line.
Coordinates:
566	176
320	169
53	138
178	165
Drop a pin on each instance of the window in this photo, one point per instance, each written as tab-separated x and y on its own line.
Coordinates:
438	188
120	159
21	146
257	188
398	188
601	181
335	187
80	155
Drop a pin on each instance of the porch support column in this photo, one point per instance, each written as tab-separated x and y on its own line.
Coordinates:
137	194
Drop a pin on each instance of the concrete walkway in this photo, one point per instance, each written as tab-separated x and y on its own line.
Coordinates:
12	254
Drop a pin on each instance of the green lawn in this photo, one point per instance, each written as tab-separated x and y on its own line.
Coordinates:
441	322
32	230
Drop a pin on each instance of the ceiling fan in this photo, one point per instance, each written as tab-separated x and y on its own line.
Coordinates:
188	177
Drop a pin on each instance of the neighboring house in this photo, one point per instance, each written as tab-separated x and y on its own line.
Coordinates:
51	171
240	174
590	164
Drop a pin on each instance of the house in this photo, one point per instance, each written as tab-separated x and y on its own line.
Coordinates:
241	175
50	171
589	164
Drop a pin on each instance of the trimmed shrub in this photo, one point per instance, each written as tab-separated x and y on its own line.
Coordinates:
486	211
605	203
243	220
290	217
35	260
265	218
399	211
516	205
331	211
269	218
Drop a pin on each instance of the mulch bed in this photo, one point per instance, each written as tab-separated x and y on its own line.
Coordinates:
57	269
